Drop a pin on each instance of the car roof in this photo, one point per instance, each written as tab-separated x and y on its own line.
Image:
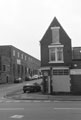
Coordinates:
29	84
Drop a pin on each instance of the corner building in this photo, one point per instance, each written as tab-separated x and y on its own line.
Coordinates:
15	63
56	59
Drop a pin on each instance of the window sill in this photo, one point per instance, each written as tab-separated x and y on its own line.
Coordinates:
56	62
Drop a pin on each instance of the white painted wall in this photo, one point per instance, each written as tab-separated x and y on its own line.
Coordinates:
61	83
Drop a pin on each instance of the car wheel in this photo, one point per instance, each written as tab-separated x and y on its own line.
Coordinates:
24	91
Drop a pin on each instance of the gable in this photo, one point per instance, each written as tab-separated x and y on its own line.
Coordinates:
48	33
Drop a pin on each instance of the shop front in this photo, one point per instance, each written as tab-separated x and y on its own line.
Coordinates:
61	80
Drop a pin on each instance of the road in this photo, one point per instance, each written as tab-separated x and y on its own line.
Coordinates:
37	110
40	110
9	88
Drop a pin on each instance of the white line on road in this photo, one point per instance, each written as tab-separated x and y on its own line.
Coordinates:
36	101
56	101
8	101
47	101
67	108
11	108
16	101
28	101
17	116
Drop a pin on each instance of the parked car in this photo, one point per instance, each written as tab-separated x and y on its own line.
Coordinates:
28	78
40	76
33	87
18	80
35	77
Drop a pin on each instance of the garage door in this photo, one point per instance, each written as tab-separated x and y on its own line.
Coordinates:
61	80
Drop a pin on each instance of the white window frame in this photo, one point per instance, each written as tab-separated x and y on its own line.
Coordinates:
56	49
55	39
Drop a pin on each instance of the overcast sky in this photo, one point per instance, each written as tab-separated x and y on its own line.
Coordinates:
24	22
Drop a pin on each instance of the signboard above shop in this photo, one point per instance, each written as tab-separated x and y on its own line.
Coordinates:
75	72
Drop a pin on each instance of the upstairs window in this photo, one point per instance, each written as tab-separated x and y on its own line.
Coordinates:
59	54
4	67
22	55
18	54
56	54
52	54
55	35
13	52
25	57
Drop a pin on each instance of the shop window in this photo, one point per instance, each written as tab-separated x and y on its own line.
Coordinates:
66	72
61	72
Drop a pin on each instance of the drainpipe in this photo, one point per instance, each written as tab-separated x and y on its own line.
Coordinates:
51	73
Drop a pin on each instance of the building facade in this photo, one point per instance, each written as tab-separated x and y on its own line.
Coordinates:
75	72
56	59
15	63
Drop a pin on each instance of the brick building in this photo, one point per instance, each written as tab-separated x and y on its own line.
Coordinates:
75	71
15	63
56	59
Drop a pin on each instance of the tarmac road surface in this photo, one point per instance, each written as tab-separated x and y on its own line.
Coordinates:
40	110
37	109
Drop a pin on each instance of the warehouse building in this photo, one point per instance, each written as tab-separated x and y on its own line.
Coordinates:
14	63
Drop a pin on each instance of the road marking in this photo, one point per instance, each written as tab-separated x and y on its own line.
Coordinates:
11	108
47	101
56	101
17	116
36	101
28	101
16	101
8	101
67	108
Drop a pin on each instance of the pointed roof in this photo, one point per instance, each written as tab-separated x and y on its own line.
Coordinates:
54	23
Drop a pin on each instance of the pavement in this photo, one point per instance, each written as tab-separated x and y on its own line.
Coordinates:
19	95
